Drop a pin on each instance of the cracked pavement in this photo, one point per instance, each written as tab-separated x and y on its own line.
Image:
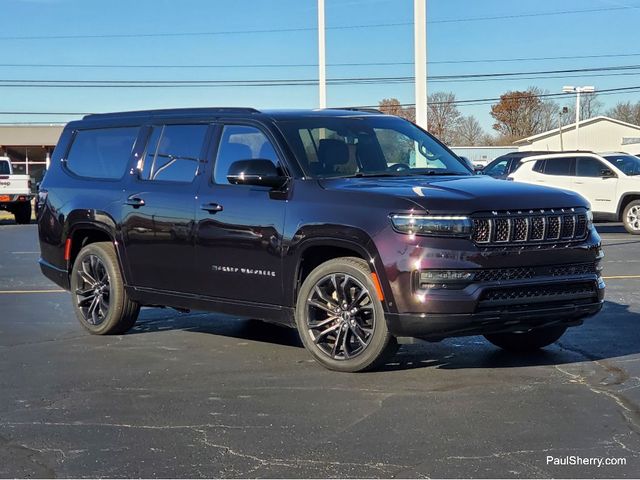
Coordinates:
205	395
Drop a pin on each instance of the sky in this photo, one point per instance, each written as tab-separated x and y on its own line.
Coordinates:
178	40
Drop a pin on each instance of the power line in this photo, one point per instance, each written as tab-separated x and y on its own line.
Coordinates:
304	65
310	29
475	101
540	74
485	101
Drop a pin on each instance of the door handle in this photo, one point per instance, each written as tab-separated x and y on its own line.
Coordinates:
212	208
135	202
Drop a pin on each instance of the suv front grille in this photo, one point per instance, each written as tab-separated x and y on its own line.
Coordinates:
538	294
526	273
540	226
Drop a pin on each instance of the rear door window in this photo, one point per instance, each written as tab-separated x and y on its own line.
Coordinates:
101	153
558	166
173	153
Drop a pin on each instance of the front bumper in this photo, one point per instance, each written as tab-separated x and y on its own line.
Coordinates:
439	326
566	302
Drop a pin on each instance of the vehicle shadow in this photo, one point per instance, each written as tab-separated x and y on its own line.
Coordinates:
154	320
610	228
611	334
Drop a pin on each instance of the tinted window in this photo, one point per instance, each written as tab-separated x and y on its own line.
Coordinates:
4	168
539	166
515	164
101	153
589	167
497	169
240	142
629	164
558	166
173	153
369	145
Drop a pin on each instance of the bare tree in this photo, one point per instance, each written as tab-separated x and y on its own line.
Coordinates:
443	115
626	112
392	106
469	132
590	106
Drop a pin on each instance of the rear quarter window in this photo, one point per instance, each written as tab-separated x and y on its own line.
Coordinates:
101	153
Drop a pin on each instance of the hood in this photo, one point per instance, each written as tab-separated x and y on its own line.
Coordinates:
463	195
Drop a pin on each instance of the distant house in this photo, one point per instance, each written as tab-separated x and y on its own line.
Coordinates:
598	134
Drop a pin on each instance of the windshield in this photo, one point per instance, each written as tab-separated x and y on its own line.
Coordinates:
334	147
629	164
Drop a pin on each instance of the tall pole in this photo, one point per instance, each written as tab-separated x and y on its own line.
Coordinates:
420	51
577	118
322	67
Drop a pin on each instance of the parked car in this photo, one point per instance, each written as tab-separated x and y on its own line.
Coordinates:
506	164
355	227
610	182
15	192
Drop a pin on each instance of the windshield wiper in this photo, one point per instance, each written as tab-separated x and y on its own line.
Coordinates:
435	172
369	175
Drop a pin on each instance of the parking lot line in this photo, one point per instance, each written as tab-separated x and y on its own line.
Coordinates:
621	277
7	292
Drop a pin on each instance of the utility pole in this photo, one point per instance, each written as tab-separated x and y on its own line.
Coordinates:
562	112
322	67
578	91
420	52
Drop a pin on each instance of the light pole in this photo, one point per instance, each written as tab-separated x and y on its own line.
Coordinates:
322	67
562	112
420	53
578	91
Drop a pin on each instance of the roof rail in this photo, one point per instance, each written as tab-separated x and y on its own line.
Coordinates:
359	109
174	111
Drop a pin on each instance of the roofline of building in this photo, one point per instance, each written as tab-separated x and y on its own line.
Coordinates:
572	126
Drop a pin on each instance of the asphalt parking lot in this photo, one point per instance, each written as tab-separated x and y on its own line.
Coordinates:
192	395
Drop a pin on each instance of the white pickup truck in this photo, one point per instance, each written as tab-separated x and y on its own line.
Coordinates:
15	192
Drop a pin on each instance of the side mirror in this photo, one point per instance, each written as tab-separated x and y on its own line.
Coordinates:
607	173
259	172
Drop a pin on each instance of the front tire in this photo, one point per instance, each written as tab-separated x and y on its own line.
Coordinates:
526	341
100	301
340	318
631	217
22	213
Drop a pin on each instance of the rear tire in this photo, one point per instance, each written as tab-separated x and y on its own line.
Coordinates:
22	213
527	341
340	318
99	298
631	217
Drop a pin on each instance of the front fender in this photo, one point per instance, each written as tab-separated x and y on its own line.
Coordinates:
328	235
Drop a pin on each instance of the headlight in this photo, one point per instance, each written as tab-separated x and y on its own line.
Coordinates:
435	225
589	219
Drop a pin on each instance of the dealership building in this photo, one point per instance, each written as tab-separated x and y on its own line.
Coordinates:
29	146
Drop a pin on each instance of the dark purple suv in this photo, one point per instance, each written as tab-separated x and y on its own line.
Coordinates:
354	227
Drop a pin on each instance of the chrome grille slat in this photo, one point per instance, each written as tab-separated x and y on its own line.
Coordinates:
530	227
